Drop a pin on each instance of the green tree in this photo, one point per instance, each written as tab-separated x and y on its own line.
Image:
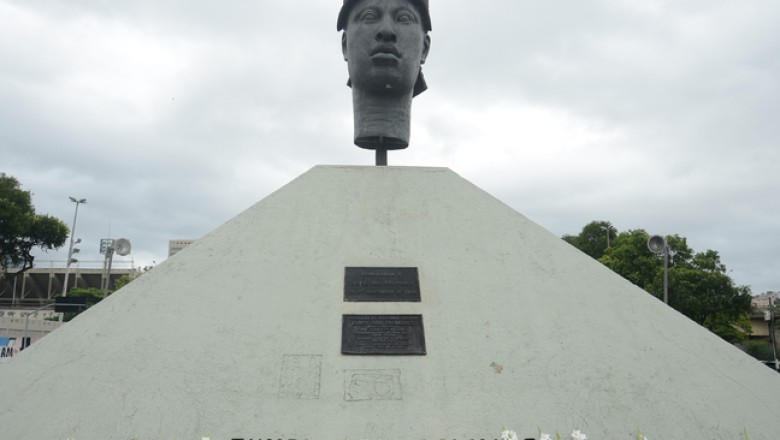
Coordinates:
759	348
21	229
92	294
127	279
699	285
629	257
593	238
731	328
702	290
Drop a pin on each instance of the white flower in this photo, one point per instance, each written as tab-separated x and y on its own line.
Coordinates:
544	437
508	435
577	435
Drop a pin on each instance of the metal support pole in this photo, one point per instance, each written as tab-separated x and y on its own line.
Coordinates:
772	326
607	229
666	275
108	262
381	158
27	323
70	248
13	301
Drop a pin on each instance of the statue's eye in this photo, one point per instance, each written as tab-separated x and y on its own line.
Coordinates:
368	15
405	17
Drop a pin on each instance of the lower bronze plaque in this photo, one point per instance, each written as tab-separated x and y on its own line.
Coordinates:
382	335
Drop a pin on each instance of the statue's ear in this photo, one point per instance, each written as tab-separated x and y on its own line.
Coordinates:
426	48
344	44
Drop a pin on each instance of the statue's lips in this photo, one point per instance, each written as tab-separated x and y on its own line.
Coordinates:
384	51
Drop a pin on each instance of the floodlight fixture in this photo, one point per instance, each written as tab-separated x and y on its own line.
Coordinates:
657	244
120	246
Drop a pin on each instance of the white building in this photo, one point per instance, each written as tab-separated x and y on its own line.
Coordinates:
764	300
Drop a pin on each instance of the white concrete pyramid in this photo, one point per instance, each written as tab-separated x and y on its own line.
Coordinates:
239	335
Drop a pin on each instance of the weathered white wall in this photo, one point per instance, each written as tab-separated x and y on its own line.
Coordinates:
36	328
522	331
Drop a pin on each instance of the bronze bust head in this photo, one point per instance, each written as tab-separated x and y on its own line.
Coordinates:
385	43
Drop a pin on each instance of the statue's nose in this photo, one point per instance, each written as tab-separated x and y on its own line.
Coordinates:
386	35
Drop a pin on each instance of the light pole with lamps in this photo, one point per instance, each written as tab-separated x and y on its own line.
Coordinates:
659	246
71	250
607	229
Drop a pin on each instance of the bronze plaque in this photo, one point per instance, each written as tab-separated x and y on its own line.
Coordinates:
382	335
381	284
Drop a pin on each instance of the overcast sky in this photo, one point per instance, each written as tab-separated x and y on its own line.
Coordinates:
172	116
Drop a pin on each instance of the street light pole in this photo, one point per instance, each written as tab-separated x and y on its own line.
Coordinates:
607	229
72	243
666	273
27	323
660	246
772	324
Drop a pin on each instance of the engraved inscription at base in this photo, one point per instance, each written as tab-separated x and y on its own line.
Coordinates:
382	335
381	284
362	385
300	378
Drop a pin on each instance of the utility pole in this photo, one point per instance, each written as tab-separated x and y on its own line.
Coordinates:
607	229
71	249
660	246
772	326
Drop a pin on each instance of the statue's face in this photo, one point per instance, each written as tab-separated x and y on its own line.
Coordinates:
384	45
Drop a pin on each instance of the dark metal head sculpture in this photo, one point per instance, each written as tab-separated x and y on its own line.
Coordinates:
385	43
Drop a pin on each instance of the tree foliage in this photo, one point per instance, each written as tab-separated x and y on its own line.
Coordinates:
629	257
127	279
593	238
21	229
759	349
92	294
699	284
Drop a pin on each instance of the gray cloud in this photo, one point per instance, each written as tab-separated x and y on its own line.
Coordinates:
172	117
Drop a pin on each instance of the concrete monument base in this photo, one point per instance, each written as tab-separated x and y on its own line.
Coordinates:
521	331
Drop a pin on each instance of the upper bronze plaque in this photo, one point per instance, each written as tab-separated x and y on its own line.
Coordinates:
381	284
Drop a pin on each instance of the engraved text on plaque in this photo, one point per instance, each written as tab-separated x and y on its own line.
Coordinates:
381	284
382	335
